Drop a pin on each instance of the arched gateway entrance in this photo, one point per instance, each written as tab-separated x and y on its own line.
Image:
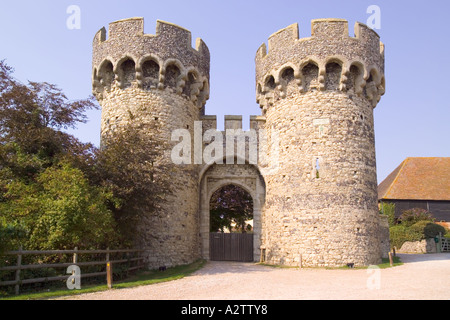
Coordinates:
231	225
214	178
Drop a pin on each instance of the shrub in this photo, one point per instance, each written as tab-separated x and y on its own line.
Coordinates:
61	209
399	234
388	209
9	234
428	229
412	216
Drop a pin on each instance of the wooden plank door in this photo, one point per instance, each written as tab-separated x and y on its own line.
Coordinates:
231	247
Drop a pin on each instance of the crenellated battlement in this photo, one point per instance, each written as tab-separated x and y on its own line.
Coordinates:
166	60
169	40
330	30
233	143
232	122
328	60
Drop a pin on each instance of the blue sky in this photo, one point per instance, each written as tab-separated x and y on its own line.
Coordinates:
412	119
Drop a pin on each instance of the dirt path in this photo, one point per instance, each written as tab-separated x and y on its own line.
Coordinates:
421	277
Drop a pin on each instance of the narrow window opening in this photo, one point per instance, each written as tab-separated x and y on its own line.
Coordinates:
317	168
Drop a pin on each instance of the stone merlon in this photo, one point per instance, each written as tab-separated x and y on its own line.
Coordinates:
329	38
126	37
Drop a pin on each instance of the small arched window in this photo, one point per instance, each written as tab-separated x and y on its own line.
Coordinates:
270	83
172	75
127	73
288	75
150	73
310	75
333	78
106	74
288	82
354	77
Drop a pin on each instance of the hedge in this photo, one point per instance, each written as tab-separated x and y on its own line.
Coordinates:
419	231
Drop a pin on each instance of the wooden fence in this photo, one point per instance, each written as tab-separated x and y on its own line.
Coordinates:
134	263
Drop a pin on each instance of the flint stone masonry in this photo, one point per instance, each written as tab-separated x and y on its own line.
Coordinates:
314	185
423	246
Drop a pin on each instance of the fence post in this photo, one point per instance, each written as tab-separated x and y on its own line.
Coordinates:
75	256
109	275
108	270
19	263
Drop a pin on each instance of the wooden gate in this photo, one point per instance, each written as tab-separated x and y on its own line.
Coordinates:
445	244
231	247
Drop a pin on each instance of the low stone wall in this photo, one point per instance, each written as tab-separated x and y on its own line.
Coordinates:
423	246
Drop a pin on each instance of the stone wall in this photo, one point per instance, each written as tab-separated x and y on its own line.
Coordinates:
423	246
318	95
322	200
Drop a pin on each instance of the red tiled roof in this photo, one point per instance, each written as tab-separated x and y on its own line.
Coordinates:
418	179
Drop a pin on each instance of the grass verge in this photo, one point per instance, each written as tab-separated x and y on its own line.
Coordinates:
386	264
141	279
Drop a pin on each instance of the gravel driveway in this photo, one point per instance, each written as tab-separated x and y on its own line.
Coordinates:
425	276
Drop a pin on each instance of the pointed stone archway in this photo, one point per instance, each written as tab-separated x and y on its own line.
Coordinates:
245	176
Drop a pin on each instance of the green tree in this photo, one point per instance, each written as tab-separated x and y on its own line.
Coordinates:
131	164
388	209
231	205
73	211
9	236
60	210
59	192
33	116
47	196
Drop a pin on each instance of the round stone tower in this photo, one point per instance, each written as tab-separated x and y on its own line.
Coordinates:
318	96
157	81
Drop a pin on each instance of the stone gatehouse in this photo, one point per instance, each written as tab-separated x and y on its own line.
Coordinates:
314	183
